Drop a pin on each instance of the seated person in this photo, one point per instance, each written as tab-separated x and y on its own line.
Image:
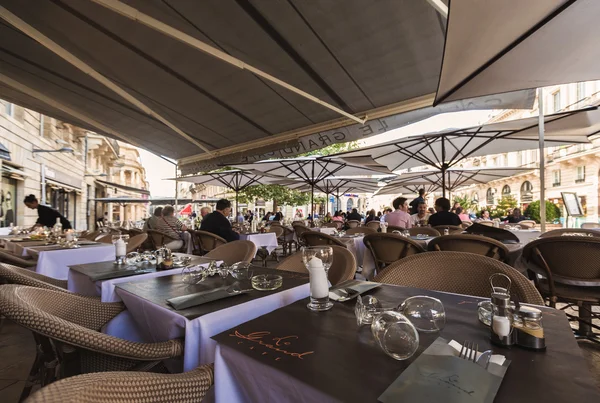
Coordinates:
337	217
399	217
354	216
371	216
461	214
516	216
421	217
218	224
443	215
485	216
152	222
171	226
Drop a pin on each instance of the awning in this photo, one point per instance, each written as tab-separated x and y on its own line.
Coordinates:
60	185
198	80
497	46
124	187
4	153
14	173
153	201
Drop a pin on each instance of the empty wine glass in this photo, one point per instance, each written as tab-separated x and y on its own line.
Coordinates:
241	270
366	308
427	314
395	334
318	260
193	275
223	272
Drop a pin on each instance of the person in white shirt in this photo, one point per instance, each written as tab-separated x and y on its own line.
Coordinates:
421	217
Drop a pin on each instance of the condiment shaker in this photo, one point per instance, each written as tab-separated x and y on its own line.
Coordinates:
501	324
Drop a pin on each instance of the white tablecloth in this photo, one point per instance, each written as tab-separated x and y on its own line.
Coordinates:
327	230
526	235
55	263
267	240
363	256
158	324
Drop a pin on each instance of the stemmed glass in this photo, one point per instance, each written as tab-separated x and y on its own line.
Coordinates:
427	314
318	260
395	334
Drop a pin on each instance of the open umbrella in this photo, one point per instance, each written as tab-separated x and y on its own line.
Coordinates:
444	150
186	210
311	170
495	47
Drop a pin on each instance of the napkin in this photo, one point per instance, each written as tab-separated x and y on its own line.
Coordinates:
199	298
495	358
360	286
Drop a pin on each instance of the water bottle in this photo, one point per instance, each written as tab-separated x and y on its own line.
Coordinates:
57	229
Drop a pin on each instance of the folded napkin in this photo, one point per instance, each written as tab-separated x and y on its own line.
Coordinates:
107	275
495	358
199	298
360	286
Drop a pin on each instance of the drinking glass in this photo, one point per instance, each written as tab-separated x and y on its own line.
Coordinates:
427	314
318	260
395	334
223	272
194	275
241	270
367	308
132	258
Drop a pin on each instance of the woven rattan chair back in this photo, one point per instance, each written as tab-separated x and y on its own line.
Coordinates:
387	248
352	223
452	229
330	224
277	230
10	274
11	258
206	241
590	225
373	224
314	238
338	224
300	229
361	230
158	238
90	236
105	238
342	269
477	244
414	231
527	224
486	223
457	272
130	387
466	224
392	228
233	252
571	232
136	241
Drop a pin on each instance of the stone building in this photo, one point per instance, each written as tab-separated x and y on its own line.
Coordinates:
45	157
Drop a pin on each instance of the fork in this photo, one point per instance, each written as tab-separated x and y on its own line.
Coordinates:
469	351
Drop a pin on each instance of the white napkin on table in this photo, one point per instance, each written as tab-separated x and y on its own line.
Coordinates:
495	358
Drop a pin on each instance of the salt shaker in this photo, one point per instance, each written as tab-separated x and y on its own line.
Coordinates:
501	325
529	332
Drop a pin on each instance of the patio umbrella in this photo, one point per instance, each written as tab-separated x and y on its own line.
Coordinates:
311	170
495	47
186	210
444	150
454	178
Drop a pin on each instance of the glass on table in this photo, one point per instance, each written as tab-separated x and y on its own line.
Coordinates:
427	314
194	275
395	334
366	308
240	270
318	260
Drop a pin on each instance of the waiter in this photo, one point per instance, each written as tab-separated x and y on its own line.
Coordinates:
46	215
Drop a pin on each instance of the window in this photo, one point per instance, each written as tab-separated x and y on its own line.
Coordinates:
505	190
556	178
580	91
526	192
475	198
7	108
556	101
580	174
489	196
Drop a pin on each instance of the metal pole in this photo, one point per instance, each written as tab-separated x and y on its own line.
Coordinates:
176	189
542	160
43	195
444	180
312	202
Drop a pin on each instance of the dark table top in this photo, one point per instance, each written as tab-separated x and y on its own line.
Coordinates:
157	290
348	365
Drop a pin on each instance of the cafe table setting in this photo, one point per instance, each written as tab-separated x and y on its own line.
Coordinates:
391	343
266	240
199	302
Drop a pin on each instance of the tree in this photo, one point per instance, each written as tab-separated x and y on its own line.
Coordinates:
333	149
533	211
280	195
504	204
465	202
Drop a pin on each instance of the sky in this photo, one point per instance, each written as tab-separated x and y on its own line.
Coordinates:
158	169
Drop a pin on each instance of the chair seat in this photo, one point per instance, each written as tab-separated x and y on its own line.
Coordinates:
571	293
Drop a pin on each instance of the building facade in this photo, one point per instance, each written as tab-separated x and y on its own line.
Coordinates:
64	166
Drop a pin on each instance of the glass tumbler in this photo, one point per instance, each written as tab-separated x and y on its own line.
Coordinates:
397	337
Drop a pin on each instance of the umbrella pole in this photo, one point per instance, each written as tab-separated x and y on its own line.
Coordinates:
312	202
237	204
443	181
542	160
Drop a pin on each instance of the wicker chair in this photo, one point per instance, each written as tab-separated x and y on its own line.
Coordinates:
131	387
486	223
457	272
477	244
466	224
300	229
373	224
352	223
105	238
414	231
159	239
10	274
73	323
392	228
567	269
571	232
205	241
286	240
136	241
21	261
342	269
590	225
387	248
276	229
338	224
314	238
90	236
452	229
233	252
361	230
527	224
331	224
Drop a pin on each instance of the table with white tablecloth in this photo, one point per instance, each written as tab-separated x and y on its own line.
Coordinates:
158	323
55	262
525	235
267	240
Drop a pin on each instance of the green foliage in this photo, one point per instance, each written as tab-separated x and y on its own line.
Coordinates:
465	202
333	149
280	195
532	211
504	204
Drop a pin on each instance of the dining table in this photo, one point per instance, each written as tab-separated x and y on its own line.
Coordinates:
293	354
267	240
155	320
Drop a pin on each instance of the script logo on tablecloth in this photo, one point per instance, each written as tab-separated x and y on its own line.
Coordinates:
277	344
